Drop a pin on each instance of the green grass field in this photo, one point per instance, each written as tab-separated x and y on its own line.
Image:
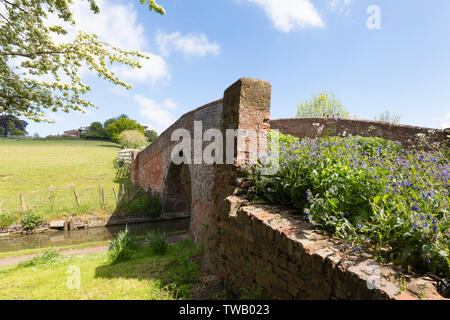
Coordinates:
144	277
47	171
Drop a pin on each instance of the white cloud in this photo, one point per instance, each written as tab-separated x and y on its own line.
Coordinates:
53	116
153	70
118	25
190	44
289	14
157	114
444	123
340	6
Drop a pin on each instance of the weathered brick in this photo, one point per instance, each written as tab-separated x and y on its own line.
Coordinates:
257	245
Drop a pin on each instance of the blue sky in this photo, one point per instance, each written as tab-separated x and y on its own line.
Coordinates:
301	47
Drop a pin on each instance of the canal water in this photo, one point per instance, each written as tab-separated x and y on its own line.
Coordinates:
72	237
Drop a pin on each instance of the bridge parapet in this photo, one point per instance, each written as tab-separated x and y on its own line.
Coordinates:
194	186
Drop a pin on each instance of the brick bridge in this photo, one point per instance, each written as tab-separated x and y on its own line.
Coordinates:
204	190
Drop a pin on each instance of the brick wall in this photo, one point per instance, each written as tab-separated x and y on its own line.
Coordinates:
251	245
245	105
316	127
152	169
270	247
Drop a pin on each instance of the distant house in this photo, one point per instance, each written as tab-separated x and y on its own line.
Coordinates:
83	130
75	132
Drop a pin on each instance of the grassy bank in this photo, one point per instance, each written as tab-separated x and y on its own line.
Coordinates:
73	246
145	276
47	171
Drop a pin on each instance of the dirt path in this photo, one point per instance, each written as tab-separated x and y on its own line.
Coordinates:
10	261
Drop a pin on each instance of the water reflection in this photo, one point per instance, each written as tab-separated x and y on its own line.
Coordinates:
64	238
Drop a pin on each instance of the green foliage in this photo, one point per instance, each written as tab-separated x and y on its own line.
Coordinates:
184	270
366	190
158	242
117	127
44	259
6	220
51	137
150	205
112	120
31	221
388	116
37	74
152	5
132	139
322	105
12	126
251	294
151	135
122	247
96	131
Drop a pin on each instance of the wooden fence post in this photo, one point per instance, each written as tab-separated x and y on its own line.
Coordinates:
22	202
123	192
76	197
115	196
100	195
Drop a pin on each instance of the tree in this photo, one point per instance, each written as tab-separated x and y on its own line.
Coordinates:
112	120
96	131
12	125
322	105
132	139
117	127
388	116
151	135
38	74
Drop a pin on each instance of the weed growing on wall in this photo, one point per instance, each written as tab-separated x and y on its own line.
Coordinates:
366	190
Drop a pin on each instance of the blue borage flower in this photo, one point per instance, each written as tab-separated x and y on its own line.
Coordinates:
412	187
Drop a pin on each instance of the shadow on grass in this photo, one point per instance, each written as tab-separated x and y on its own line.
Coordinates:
110	146
175	272
133	199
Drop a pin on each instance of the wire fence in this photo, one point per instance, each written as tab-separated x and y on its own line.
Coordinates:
52	138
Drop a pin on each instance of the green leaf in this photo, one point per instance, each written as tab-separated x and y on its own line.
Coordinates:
406	252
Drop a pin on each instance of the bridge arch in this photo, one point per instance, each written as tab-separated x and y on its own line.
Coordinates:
177	195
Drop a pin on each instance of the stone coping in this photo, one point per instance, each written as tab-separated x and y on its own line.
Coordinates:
294	234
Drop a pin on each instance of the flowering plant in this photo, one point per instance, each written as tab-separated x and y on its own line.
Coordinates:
366	190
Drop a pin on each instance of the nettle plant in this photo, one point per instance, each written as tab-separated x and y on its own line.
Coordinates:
366	190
